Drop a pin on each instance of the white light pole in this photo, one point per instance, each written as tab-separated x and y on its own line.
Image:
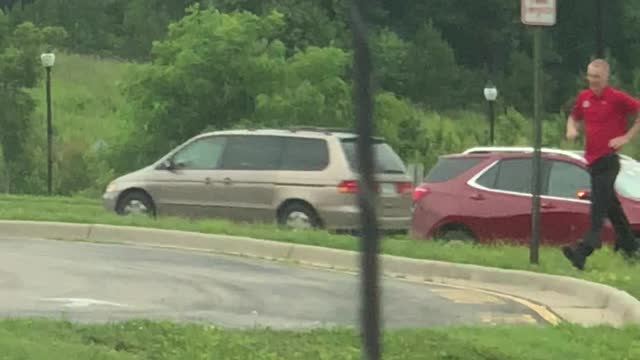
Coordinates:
48	61
491	94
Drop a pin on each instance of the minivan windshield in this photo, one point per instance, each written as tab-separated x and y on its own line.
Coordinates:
387	161
628	181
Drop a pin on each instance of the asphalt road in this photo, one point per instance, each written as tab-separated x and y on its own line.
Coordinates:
91	282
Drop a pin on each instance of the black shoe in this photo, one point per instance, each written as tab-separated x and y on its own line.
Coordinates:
573	256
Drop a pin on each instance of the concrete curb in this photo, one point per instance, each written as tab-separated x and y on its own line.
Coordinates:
617	303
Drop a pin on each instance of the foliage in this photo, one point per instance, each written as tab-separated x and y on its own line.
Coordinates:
39	339
212	64
20	68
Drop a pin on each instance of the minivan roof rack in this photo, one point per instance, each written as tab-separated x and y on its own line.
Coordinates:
326	130
517	149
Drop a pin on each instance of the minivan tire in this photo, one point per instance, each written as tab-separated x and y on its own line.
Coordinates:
138	199
298	215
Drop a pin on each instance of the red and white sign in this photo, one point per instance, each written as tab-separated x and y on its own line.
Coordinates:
538	12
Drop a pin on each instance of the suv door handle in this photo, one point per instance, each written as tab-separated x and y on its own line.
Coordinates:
207	180
477	197
227	181
546	205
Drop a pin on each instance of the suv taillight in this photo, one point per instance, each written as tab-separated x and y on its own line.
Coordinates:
419	193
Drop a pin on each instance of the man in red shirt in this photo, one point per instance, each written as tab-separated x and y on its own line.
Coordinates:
603	112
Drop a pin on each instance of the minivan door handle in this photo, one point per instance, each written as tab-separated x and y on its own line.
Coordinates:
477	197
207	180
227	181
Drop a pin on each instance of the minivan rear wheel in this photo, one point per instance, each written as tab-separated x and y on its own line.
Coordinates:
136	203
298	216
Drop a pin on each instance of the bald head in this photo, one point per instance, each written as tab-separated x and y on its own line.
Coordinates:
598	75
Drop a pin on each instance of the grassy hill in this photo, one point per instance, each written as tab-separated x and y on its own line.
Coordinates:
87	110
85	97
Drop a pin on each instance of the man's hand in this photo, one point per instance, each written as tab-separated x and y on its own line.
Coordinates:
618	142
572	128
572	133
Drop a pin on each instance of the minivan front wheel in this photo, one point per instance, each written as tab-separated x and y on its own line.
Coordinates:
136	203
298	216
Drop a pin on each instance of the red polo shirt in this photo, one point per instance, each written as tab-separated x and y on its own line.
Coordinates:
604	118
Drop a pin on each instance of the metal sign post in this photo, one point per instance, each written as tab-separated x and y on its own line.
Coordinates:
537	13
363	101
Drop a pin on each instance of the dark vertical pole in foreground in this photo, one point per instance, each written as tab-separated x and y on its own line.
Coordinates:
537	136
49	134
363	102
599	30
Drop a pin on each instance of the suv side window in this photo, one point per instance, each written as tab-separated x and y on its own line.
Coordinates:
515	175
512	175
488	179
566	179
448	168
201	154
253	152
302	154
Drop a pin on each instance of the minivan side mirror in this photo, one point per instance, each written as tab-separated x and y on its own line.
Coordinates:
167	165
584	194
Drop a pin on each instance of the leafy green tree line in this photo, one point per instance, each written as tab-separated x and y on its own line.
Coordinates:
199	65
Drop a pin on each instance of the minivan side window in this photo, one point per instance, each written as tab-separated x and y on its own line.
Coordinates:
301	154
201	154
253	152
566	179
386	159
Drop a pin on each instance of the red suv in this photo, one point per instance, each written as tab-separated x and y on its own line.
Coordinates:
484	194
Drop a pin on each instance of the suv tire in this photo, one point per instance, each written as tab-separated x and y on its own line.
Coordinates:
456	235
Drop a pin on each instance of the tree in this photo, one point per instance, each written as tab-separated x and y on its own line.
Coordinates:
20	68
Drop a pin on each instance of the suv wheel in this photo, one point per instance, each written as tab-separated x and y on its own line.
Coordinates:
456	235
298	216
135	203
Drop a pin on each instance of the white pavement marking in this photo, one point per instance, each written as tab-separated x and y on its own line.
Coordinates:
82	302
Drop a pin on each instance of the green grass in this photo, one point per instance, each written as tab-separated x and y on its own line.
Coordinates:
604	266
36	339
85	98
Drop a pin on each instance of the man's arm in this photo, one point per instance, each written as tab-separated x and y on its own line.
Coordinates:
635	128
630	106
574	117
572	128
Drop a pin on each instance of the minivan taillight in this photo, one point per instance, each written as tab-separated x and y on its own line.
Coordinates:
404	187
348	186
419	193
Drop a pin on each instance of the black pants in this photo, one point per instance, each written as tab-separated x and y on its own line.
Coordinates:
605	203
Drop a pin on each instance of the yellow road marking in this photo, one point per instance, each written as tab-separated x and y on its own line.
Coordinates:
466	296
542	311
496	319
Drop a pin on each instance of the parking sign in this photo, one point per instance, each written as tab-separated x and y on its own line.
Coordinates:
538	12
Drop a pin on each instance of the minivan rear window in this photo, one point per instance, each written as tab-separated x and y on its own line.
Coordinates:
386	159
448	168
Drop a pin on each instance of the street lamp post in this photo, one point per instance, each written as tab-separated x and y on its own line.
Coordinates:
490	94
48	60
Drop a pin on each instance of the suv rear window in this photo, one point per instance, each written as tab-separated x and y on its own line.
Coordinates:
448	168
386	159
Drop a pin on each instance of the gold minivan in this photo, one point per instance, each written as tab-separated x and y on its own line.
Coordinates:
300	177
